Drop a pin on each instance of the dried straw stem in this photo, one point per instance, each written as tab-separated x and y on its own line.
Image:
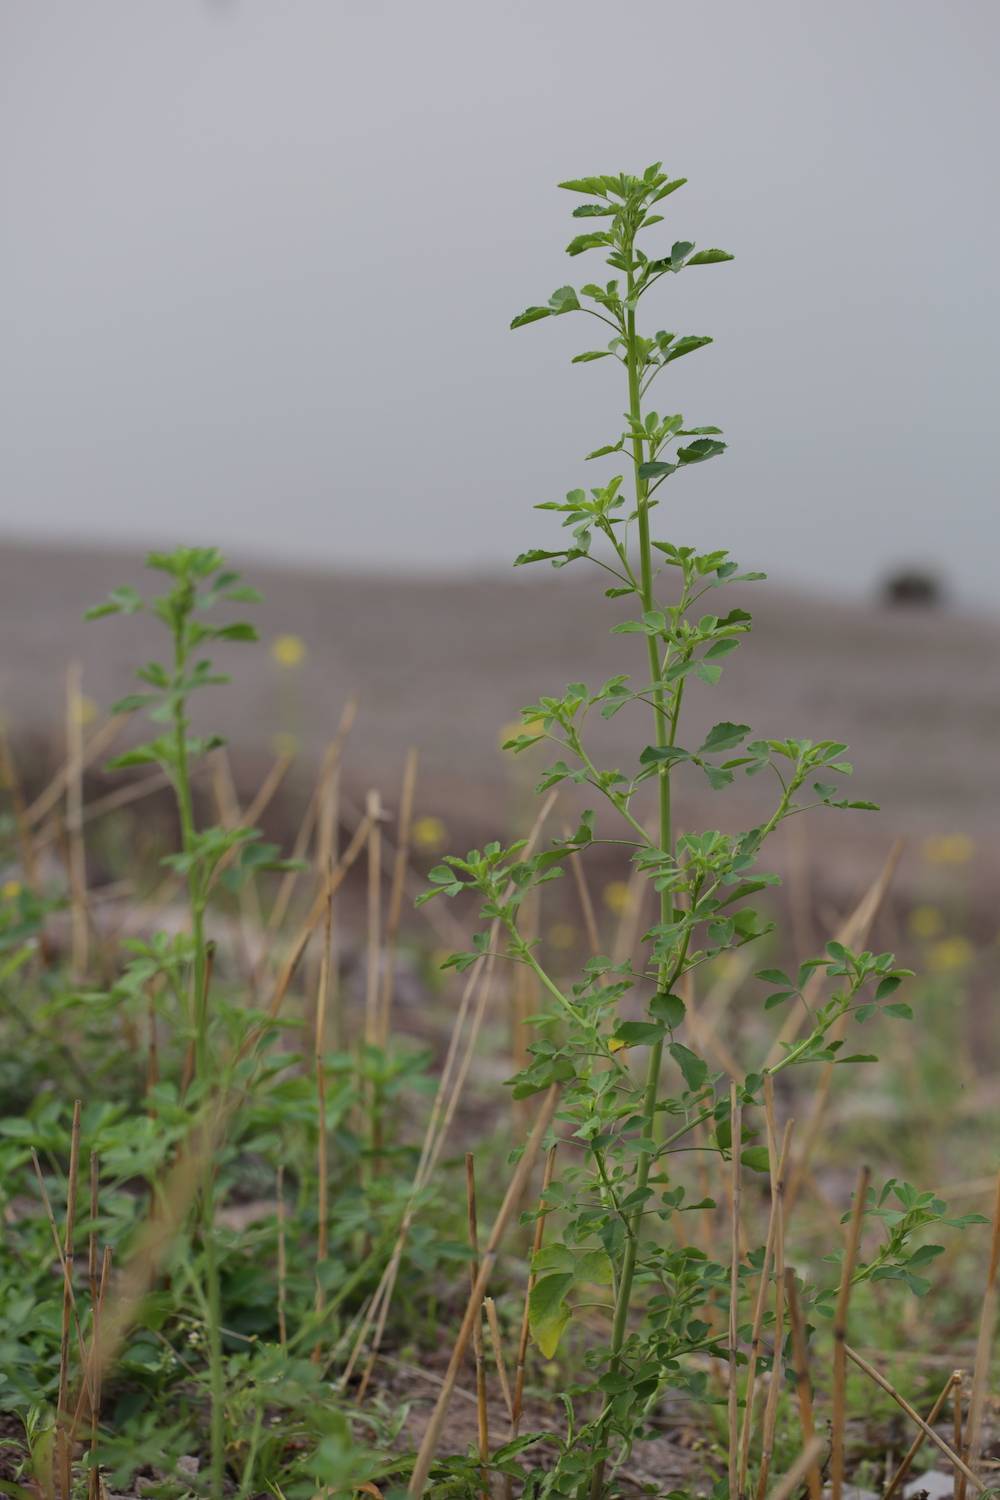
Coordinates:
482	1414
736	1137
840	1335
953	1382
803	1385
515	1188
984	1344
914	1416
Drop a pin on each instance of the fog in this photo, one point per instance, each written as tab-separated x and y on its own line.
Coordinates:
258	262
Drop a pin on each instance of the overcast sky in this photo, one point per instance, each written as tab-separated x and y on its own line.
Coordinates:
258	259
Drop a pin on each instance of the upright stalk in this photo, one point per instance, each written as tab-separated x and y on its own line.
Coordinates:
662	731
199	1016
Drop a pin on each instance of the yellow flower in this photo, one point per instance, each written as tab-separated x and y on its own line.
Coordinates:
288	650
428	834
949	849
926	922
284	743
562	935
10	890
616	895
950	954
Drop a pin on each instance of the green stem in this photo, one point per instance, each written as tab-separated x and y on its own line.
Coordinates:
661	724
199	1016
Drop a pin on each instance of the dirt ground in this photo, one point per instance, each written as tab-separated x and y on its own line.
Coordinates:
444	665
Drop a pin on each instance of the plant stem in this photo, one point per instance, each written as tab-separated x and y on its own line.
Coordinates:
199	1017
662	731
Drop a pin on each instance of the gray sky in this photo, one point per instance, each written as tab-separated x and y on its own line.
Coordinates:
258	259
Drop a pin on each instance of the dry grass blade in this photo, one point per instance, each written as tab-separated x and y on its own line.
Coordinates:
736	1137
953	1382
803	1386
449	1090
776	1162
501	1364
99	741
80	927
522	1343
840	1335
319	1069
331	885
397	889
586	902
482	1413
777	1183
914	1416
65	1443
805	1463
522	1172
852	931
331	763
984	1344
282	1258
959	1485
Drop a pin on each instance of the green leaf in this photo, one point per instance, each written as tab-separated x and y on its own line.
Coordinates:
899	1009
637	1033
709	257
656	469
531	315
547	1312
694	1069
564	300
699	450
724	736
756	1158
591	354
667	1008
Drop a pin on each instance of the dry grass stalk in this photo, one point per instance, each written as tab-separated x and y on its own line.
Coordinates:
805	1463
94	1485
959	1441
627	934
397	889
522	1342
482	1413
501	1364
447	1095
953	1383
319	1069
330	887
373	817
777	1185
48	800
852	931
736	1127
515	1188
774	1227
803	1385
840	1335
984	1344
282	1257
449	1090
231	816
331	763
586	901
776	1162
79	924
64	1458
10	781
914	1416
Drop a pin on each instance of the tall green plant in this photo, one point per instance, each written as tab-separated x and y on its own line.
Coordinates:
198	584
618	1195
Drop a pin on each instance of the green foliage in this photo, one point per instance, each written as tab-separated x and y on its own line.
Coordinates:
618	1198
